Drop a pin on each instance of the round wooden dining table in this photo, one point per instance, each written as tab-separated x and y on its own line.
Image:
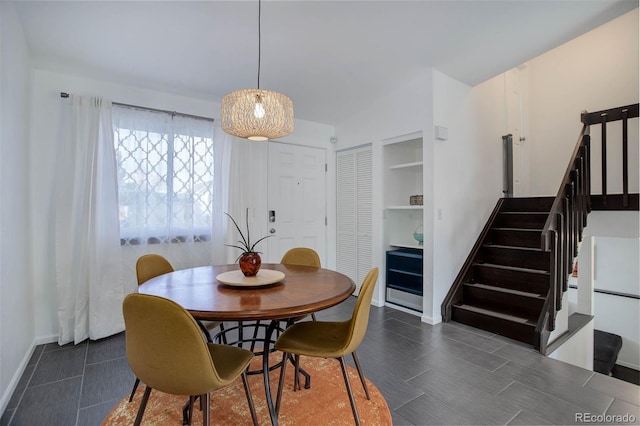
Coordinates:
302	291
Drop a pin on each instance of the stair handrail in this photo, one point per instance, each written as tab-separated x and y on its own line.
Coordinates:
550	224
562	231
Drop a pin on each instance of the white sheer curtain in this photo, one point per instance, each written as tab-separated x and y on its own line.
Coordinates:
223	148
165	178
242	186
87	248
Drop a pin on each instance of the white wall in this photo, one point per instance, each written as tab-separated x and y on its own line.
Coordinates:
596	71
615	268
404	110
16	308
462	175
46	106
578	350
613	224
467	169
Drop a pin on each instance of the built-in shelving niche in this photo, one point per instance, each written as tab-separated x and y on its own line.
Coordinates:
402	178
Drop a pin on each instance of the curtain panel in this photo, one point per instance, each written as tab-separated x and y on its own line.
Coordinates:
166	174
131	181
245	186
87	248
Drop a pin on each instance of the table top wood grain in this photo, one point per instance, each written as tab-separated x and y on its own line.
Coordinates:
303	290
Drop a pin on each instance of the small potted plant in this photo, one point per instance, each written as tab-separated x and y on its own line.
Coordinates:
249	259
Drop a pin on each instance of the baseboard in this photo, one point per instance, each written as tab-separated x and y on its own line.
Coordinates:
15	379
431	320
43	340
628	365
402	308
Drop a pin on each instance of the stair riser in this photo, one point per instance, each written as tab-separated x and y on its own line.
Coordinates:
516	280
542	204
529	239
530	259
516	331
521	306
522	221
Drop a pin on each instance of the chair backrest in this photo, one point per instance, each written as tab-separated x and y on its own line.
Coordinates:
165	347
301	256
360	317
151	265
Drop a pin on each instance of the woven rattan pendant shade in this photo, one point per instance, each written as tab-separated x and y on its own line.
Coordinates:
241	118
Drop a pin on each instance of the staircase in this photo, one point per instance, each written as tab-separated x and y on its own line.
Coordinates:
505	289
514	278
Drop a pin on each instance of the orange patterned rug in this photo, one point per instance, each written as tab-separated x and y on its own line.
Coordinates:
325	403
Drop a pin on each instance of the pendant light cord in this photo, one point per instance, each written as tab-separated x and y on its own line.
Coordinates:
259	39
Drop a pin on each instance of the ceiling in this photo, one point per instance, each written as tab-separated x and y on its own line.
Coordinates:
329	57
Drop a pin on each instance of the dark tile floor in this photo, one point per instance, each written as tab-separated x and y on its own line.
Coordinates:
430	375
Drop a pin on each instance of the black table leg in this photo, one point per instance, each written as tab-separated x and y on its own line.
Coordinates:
265	371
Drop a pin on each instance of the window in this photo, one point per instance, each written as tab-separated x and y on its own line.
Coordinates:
165	176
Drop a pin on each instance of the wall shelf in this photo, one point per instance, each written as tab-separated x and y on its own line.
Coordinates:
407	207
406	165
407	245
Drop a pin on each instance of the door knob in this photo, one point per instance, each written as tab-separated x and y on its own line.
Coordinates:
272	230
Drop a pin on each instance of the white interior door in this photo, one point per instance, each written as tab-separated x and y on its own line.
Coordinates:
296	200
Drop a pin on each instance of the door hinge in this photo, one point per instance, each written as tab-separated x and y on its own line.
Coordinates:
325	221
325	167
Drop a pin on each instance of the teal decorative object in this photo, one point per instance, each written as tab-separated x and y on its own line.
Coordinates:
418	234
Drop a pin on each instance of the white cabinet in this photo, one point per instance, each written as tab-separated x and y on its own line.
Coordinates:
402	180
354	182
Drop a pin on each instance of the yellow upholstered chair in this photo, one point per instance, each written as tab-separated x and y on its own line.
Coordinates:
302	256
150	266
330	339
167	351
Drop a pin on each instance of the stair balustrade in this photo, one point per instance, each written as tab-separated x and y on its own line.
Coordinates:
514	226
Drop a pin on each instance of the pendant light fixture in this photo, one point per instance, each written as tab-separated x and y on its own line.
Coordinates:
257	114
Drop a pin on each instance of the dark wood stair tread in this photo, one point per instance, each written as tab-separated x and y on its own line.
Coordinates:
542	213
512	268
502	246
507	290
494	314
501	228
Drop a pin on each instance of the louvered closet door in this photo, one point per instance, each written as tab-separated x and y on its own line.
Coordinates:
354	221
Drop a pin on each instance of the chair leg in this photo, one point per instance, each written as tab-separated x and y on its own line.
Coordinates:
247	390
283	368
135	387
187	409
205	403
364	383
143	405
313	316
307	377
345	374
296	373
